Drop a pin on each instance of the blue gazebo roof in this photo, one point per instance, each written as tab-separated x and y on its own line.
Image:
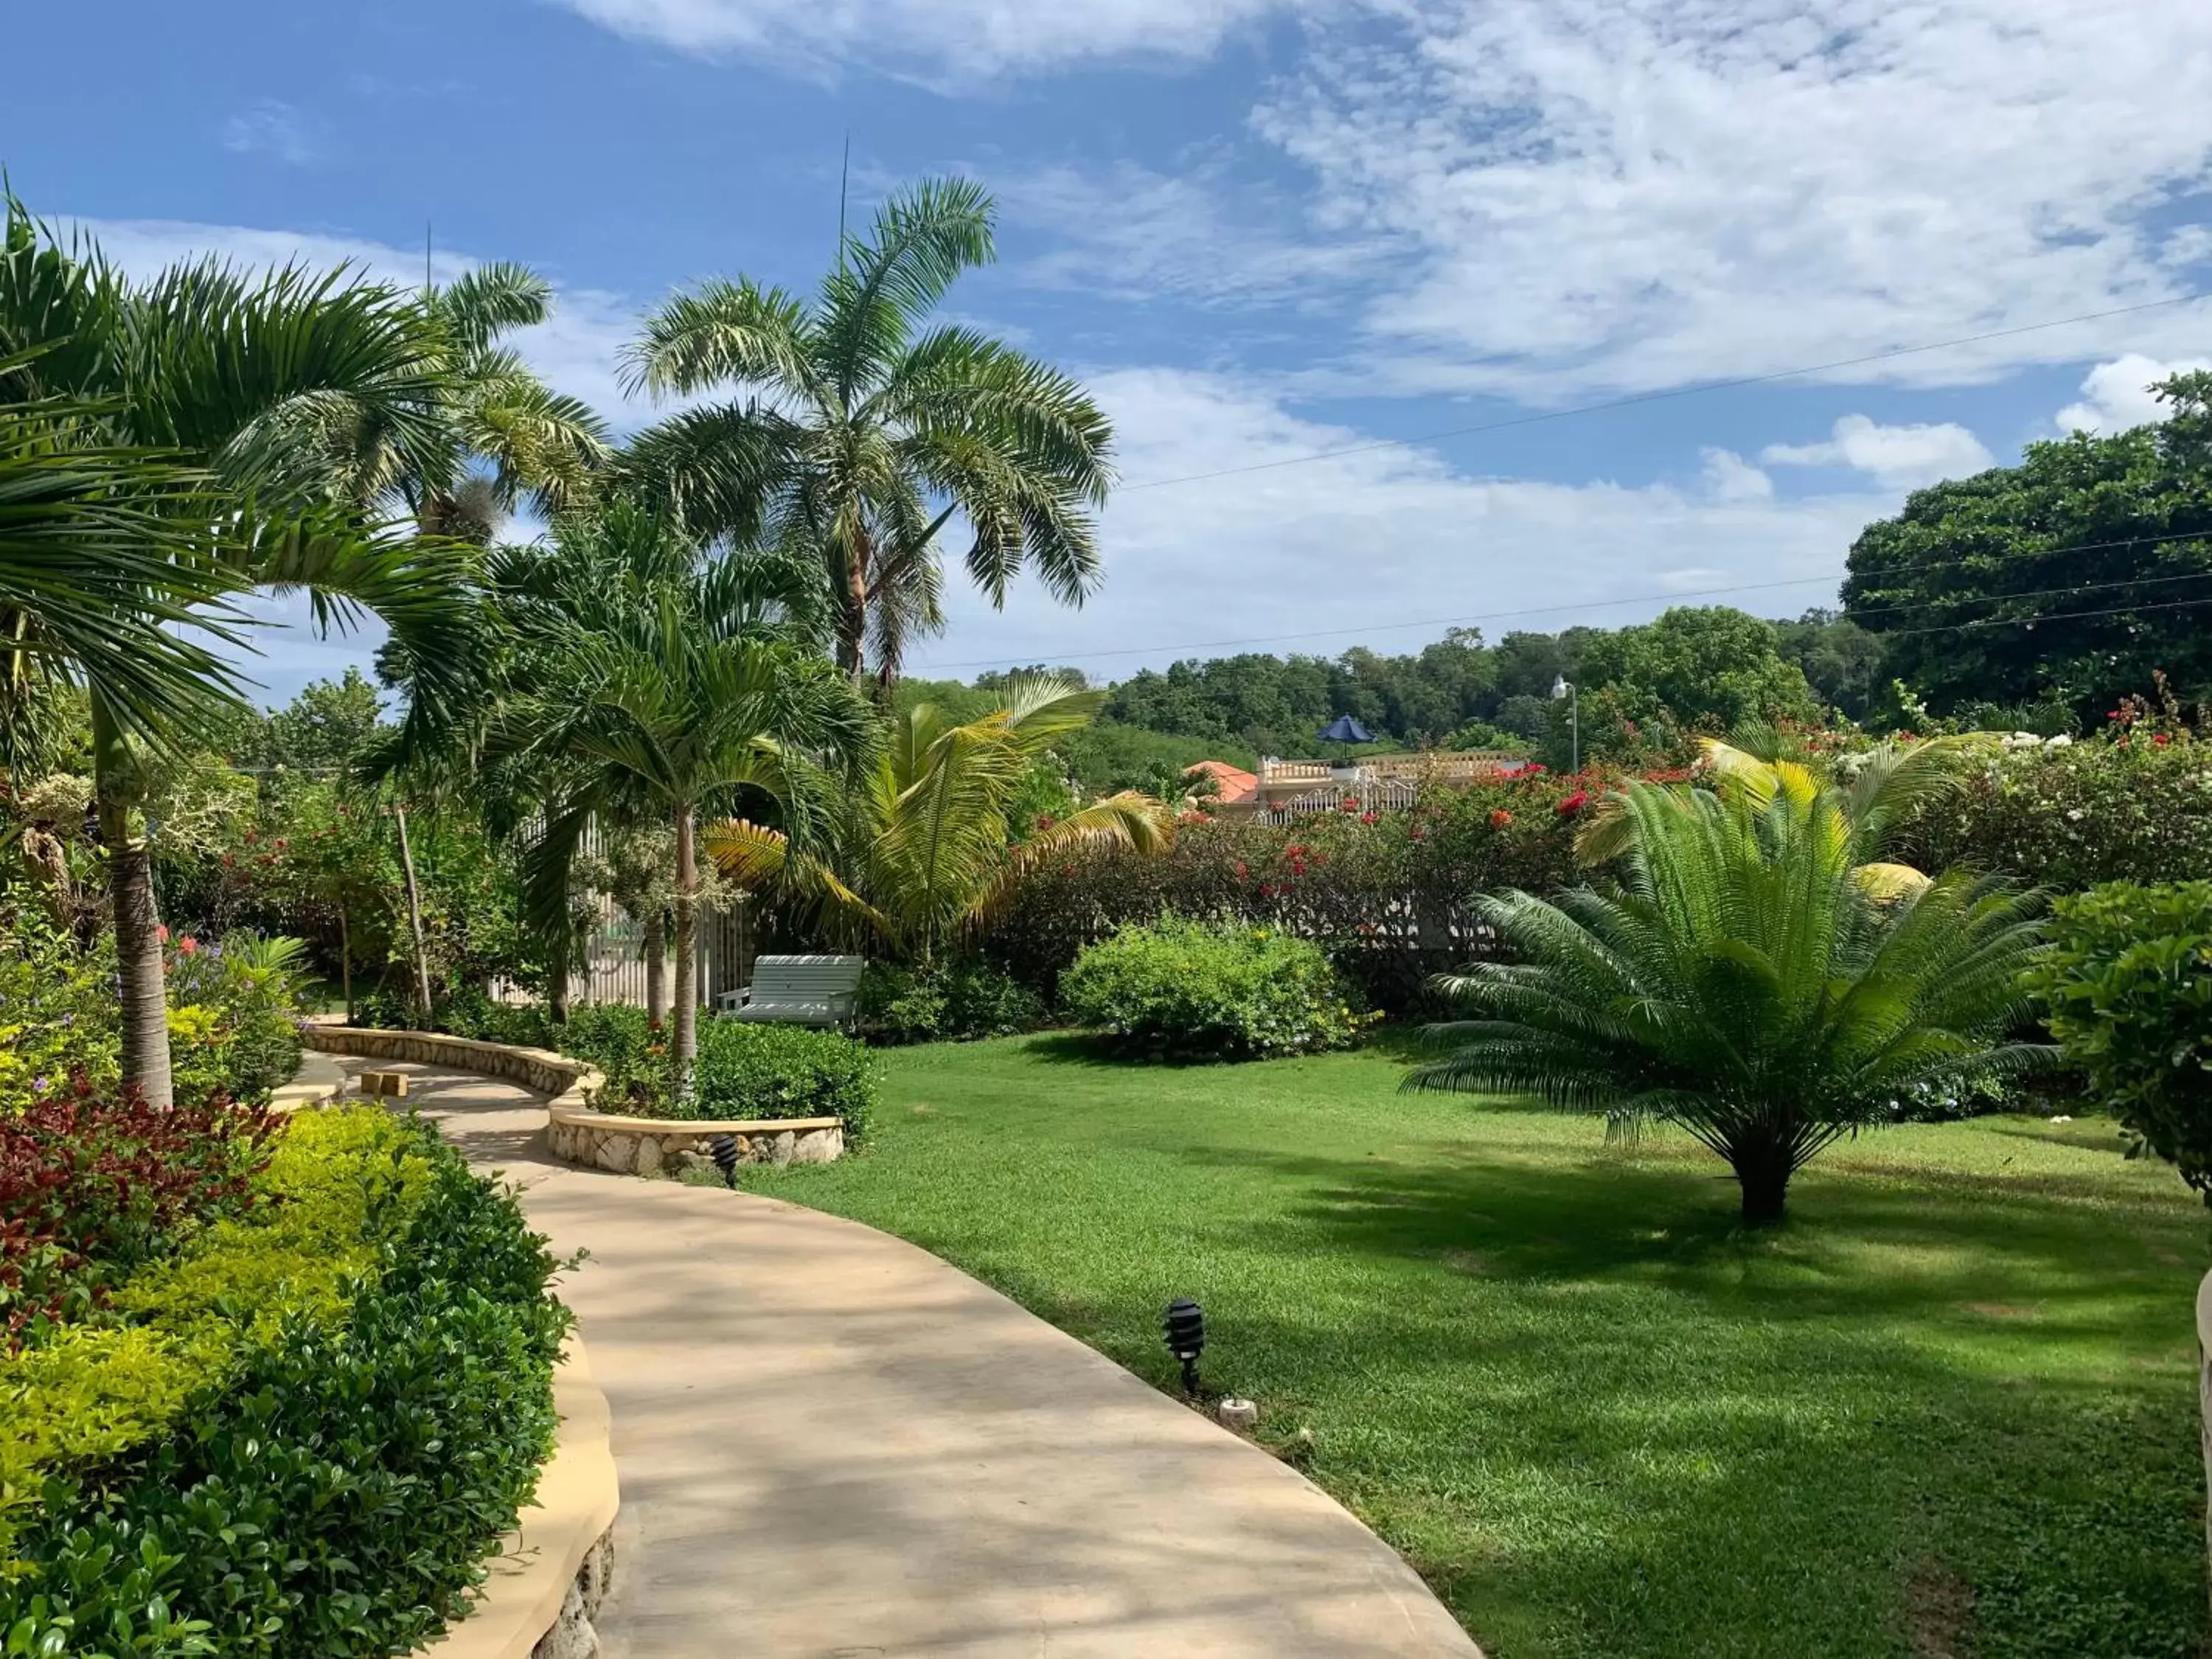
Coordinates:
1344	729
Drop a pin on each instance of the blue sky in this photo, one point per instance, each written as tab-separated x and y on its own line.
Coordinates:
1264	229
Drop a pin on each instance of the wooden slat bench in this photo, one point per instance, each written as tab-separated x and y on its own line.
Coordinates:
800	991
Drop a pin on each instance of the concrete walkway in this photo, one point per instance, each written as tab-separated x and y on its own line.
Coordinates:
832	1444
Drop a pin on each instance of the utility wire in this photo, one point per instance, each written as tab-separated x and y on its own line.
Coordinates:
1636	599
1637	398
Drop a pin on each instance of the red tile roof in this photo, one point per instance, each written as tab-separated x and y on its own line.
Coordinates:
1235	783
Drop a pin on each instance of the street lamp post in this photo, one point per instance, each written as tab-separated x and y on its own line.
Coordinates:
1573	694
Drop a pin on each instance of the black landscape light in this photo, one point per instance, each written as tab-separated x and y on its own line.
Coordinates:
723	1149
1185	1325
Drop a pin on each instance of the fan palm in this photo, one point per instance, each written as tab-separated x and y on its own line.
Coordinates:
654	680
923	849
233	376
1746	984
858	434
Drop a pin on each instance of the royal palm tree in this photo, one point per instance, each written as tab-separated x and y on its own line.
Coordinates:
653	678
1746	982
923	849
856	432
233	376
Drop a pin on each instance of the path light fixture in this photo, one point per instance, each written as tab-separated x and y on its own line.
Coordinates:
1564	691
1185	1325
723	1149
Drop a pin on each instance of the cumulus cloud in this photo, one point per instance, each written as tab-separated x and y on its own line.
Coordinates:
1899	457
960	40
1385	547
2118	395
1729	477
1631	194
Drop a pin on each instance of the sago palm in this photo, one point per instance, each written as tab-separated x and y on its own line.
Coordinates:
231	376
856	432
648	678
1746	982
922	848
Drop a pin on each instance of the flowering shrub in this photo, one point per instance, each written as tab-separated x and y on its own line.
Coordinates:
1387	896
2129	986
2070	816
234	1012
1198	990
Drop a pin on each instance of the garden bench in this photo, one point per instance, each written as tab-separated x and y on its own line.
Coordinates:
798	990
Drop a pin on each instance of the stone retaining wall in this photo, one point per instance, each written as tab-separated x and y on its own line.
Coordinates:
576	1133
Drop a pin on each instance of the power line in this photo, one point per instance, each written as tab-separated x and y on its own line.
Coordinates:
1634	598
1637	398
2054	616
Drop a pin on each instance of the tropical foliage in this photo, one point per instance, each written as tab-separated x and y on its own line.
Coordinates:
855	432
1746	982
2129	986
922	851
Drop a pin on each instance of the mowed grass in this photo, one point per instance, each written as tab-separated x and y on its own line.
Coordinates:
1950	1409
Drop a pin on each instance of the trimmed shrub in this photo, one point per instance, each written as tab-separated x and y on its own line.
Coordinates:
944	1001
744	1070
2128	986
329	1408
1211	991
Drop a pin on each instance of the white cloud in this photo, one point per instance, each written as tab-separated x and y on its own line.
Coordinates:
1344	550
1729	477
575	351
1629	194
2116	395
1899	457
271	127
960	38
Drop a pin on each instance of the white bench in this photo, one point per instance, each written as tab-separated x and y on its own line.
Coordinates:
798	990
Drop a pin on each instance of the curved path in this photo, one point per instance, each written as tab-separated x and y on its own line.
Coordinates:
834	1445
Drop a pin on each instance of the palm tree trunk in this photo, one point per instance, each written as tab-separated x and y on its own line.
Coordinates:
345	961
414	916
853	609
142	989
656	964
1763	1169
683	1044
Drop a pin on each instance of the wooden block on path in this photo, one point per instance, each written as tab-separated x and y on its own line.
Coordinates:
388	1085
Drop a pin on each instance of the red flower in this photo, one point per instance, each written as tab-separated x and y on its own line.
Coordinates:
1533	770
1067	869
2161	737
1499	818
162	933
1045	821
1294	851
1351	805
1243	870
1266	892
1367	817
188	946
1418	833
1574	803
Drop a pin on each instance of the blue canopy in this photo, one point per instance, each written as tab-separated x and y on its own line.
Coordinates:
1344	729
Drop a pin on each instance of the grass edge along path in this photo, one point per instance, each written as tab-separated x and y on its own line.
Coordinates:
1950	1409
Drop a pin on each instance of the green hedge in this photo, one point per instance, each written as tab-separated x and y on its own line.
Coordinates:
744	1070
956	1001
2129	988
1211	991
301	1436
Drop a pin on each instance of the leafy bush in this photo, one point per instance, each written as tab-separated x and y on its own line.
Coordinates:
93	1186
233	1014
1199	990
957	1001
2128	986
332	1407
1390	895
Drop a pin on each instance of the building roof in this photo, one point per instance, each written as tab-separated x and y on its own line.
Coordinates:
1237	784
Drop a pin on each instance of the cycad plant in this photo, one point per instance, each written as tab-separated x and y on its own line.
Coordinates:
1747	982
923	849
857	431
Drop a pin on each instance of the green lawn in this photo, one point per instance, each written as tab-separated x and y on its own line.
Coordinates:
1950	1409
